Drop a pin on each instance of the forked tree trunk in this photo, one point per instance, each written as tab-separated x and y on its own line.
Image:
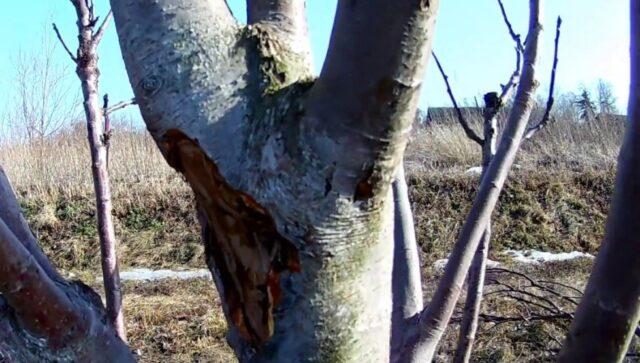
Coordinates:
291	175
608	314
423	339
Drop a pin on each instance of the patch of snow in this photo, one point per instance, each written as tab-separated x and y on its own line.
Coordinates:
476	170
439	265
538	257
145	274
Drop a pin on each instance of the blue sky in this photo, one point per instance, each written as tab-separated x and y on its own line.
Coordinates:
471	41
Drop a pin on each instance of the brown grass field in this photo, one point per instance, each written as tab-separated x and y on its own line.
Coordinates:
556	199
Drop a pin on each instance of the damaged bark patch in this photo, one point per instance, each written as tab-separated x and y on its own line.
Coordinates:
241	240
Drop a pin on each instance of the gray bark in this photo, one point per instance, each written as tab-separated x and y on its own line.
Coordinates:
434	319
609	311
406	279
291	176
42	317
475	278
475	288
87	70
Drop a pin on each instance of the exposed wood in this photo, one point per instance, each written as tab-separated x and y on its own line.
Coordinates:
241	102
609	312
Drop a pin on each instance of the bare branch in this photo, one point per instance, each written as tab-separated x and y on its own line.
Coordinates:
119	106
11	214
434	318
31	293
97	37
64	45
516	37
471	134
550	100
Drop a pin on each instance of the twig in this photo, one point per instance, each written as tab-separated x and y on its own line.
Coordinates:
463	122
100	32
64	45
514	36
106	136
119	106
550	100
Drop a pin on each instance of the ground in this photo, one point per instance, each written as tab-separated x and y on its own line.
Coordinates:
556	199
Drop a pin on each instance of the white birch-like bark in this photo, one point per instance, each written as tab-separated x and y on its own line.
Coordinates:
406	279
291	175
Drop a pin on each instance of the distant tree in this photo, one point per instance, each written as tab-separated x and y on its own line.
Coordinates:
606	99
586	106
44	99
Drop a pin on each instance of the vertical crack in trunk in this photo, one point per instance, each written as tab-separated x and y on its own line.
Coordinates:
241	240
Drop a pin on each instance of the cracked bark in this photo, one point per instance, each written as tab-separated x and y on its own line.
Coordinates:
315	158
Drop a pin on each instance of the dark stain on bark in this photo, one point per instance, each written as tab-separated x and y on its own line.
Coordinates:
364	188
241	240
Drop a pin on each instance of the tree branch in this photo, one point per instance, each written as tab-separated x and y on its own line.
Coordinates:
406	279
516	37
97	36
64	45
11	214
368	89
119	106
471	134
550	100
31	293
435	317
288	19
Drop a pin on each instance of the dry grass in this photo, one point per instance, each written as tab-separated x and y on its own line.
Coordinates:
564	145
60	166
557	199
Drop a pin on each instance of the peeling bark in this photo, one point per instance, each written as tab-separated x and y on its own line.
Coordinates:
288	187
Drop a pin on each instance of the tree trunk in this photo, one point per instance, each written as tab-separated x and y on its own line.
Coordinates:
88	73
475	278
475	288
423	339
609	311
406	279
291	175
